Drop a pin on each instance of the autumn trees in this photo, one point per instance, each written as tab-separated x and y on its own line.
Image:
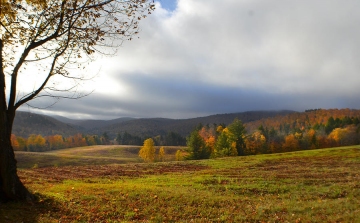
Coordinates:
197	146
280	136
217	141
148	152
39	143
43	42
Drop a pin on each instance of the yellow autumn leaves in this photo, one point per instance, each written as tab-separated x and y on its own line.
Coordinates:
10	8
148	152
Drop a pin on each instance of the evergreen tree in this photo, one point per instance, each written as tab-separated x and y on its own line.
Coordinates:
224	145
197	147
105	138
236	134
118	138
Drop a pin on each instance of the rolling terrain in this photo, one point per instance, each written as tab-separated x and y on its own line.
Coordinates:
85	125
161	126
307	186
28	123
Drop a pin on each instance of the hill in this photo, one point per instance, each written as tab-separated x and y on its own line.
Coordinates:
161	126
85	125
303	120
27	123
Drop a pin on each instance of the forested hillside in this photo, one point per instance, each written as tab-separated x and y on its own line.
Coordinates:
312	129
33	132
303	120
26	124
88	124
160	126
264	131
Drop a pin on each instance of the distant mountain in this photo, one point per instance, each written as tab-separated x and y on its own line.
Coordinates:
160	126
66	120
89	124
27	123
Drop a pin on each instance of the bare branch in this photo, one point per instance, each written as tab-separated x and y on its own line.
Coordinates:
32	46
63	33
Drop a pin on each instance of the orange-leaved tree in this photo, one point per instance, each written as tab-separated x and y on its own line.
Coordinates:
56	142
36	143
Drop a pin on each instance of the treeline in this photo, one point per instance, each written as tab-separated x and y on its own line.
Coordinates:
335	132
170	139
302	120
39	143
219	141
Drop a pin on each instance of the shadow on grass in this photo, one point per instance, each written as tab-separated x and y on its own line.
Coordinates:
30	212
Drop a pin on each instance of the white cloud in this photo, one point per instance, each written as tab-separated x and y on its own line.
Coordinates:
237	44
303	50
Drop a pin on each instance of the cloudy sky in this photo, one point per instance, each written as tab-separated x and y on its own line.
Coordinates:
203	57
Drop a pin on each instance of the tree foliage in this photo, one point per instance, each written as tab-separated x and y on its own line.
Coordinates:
147	151
36	143
55	142
45	42
236	135
277	136
223	145
14	142
60	35
197	146
254	143
161	155
178	155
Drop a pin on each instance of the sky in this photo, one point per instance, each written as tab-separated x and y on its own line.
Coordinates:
196	58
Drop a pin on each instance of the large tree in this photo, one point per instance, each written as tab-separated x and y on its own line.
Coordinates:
44	40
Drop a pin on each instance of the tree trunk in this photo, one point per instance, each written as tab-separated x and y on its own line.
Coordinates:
11	188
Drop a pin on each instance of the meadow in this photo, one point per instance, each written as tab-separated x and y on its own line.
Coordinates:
109	184
88	155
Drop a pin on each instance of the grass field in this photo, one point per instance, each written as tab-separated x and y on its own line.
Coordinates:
89	155
307	186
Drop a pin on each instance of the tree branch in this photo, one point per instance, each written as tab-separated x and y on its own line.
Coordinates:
26	52
65	31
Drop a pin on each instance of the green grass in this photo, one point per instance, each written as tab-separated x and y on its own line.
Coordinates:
307	186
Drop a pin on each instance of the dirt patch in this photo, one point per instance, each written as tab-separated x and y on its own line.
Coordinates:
56	174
